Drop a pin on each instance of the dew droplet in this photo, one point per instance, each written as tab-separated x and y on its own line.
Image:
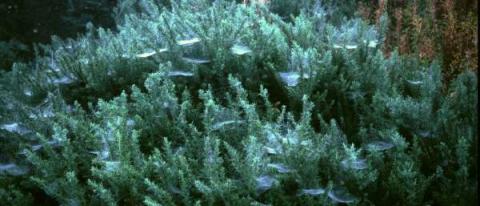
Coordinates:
356	164
16	128
424	133
174	189
372	44
112	165
379	146
28	92
290	78
195	61
240	50
130	122
313	192
281	168
146	54
47	112
162	50
7	166
188	42
84	61
13	169
62	80
336	46
101	155
264	183
179	74
223	124
351	47
270	150
53	66
341	195
415	83
37	147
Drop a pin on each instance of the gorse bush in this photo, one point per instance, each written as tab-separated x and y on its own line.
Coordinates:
218	103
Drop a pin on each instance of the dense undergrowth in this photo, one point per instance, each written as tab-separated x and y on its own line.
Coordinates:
218	103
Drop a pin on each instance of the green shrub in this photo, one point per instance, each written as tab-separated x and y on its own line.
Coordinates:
219	103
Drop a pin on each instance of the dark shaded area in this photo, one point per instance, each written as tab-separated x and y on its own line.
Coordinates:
25	22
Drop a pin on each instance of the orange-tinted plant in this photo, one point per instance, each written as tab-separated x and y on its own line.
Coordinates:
430	29
459	40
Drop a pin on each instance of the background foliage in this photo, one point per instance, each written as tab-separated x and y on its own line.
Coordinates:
429	29
28	22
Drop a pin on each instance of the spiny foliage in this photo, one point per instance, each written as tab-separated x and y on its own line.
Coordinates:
219	103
